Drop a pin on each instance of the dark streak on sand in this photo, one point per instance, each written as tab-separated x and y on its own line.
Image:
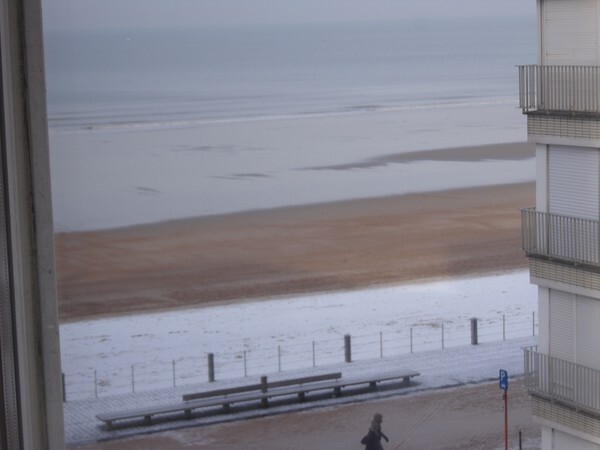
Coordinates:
497	152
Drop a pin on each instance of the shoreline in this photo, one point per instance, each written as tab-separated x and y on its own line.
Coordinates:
335	246
507	151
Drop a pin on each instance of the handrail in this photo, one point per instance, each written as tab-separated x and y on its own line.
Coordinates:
555	236
562	381
559	88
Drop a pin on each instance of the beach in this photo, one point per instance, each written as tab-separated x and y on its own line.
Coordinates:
204	168
251	255
222	171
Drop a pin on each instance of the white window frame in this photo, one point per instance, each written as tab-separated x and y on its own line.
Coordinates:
31	398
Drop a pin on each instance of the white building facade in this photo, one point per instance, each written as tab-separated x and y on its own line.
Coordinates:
561	235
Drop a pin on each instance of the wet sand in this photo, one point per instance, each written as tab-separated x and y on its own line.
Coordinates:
285	251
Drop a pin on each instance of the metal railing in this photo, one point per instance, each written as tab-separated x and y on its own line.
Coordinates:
562	381
560	237
559	88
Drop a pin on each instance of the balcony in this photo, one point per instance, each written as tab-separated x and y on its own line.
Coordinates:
574	89
564	238
562	381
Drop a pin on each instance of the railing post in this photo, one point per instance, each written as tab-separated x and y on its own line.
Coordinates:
474	340
442	335
526	370
279	357
64	388
347	348
550	379
211	367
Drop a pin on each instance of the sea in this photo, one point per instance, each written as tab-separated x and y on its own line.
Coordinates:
121	101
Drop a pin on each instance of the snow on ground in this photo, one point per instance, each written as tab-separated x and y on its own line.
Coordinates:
438	369
151	351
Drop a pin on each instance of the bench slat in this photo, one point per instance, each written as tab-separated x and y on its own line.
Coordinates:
257	387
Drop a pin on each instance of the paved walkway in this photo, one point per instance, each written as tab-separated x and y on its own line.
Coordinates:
427	418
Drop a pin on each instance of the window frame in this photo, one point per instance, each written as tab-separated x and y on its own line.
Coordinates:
32	410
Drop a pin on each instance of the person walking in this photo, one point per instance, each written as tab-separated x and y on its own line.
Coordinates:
375	434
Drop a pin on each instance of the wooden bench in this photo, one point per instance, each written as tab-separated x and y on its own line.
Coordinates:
372	380
240	394
264	386
185	407
337	385
218	397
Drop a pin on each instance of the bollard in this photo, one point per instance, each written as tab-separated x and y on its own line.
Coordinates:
211	367
263	383
474	331
347	348
264	402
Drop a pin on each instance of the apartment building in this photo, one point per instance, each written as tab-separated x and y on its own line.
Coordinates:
561	98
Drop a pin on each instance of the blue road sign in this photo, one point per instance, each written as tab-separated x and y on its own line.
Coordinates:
503	380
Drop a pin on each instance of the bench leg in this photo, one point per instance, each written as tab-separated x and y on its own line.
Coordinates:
187	413
226	408
406	381
337	391
109	425
264	402
147	420
301	396
373	385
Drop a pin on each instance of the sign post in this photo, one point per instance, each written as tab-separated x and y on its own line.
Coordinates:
504	386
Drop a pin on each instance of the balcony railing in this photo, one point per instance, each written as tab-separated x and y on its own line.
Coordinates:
559	88
562	381
560	237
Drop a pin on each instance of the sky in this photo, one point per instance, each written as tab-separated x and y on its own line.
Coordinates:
140	14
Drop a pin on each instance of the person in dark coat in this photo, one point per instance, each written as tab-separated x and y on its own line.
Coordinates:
375	434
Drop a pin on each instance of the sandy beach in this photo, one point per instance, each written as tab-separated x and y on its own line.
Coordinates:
285	251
